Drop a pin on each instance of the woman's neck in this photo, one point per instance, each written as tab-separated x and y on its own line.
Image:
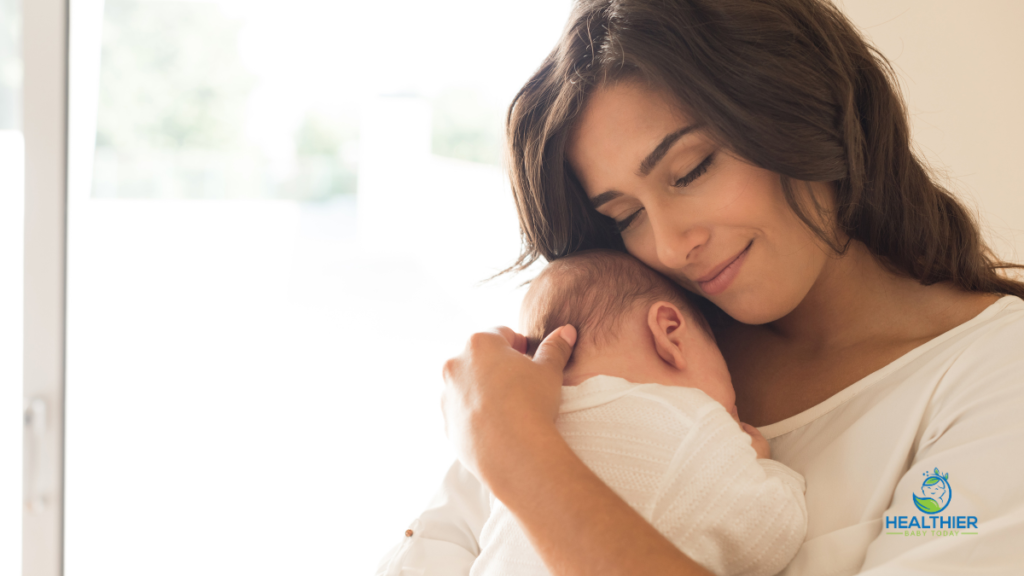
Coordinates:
856	319
857	298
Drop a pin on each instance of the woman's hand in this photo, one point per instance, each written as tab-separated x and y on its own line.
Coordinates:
494	393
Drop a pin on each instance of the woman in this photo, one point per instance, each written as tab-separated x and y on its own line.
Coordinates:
756	152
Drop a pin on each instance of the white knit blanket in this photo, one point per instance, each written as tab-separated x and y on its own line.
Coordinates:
678	458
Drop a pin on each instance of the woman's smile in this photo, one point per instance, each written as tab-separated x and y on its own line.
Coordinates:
716	281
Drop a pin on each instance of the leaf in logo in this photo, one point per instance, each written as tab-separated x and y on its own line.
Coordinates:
926	505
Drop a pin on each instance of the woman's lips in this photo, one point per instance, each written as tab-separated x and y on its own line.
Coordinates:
717	282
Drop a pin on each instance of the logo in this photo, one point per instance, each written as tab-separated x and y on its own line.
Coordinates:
935	493
932	497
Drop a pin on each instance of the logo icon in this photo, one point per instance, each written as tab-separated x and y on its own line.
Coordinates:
935	493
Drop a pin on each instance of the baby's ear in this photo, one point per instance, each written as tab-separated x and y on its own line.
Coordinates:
668	327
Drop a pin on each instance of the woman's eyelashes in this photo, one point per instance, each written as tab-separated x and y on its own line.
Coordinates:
696	172
622	225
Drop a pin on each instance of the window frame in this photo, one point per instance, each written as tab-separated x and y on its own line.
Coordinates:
44	124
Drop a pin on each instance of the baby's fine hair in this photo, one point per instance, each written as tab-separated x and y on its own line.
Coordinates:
594	289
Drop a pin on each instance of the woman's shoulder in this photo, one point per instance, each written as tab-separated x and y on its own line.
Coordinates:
994	335
979	360
1004	308
1007	309
991	338
986	353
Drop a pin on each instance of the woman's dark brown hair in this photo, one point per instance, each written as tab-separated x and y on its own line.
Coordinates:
789	85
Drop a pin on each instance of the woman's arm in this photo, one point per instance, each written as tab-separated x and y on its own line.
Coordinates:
500	408
445	538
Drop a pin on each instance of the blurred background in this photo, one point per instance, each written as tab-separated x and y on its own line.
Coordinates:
290	211
280	218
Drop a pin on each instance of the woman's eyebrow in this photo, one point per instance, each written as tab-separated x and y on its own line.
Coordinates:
648	163
604	198
659	152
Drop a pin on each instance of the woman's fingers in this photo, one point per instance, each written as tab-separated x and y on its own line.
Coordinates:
555	350
514	339
493	390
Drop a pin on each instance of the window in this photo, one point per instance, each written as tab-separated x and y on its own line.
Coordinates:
11	266
279	236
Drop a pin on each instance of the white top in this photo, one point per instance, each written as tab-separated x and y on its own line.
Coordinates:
955	404
679	459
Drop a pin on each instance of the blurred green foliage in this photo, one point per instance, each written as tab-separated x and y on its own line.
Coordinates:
174	94
326	151
325	146
10	65
467	126
323	135
171	78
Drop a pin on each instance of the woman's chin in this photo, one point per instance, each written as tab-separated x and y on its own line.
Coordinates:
753	311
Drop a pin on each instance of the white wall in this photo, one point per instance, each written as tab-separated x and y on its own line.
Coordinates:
960	68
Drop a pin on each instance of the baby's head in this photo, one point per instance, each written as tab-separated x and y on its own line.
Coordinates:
631	321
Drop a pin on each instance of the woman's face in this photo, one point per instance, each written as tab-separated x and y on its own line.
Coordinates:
716	224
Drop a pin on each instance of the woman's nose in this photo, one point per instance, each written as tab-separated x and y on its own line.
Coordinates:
676	241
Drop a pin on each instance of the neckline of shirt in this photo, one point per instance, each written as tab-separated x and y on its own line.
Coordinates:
804	418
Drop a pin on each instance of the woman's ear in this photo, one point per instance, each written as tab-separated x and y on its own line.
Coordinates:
668	327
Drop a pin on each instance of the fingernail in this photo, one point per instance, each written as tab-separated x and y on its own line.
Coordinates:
568	333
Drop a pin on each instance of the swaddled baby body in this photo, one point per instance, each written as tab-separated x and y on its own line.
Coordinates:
648	405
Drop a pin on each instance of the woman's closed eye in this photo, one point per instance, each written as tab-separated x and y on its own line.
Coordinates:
624	224
696	172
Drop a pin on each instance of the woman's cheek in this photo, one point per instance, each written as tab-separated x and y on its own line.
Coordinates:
640	244
764	292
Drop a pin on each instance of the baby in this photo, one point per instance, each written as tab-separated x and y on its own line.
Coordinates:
648	405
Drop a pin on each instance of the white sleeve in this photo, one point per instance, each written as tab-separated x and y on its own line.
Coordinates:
444	540
974	432
678	458
728	510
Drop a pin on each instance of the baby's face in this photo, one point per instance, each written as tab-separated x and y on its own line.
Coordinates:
936	491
